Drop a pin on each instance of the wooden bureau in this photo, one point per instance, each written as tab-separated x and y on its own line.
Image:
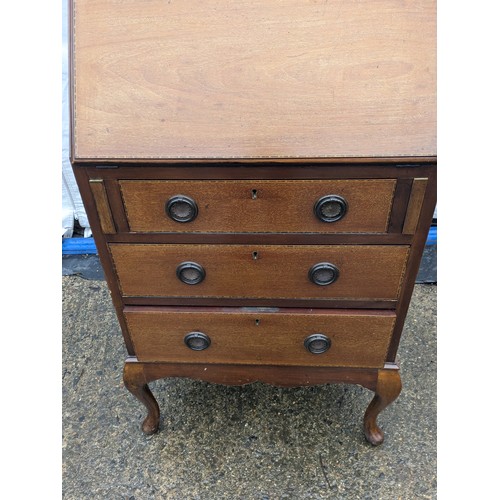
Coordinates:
260	178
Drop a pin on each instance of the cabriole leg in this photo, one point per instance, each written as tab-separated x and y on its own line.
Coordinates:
387	390
135	382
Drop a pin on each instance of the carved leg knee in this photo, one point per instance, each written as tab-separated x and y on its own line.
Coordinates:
387	390
135	382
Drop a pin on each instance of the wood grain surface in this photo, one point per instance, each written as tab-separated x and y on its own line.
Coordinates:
259	206
358	339
277	271
102	205
285	376
212	79
415	205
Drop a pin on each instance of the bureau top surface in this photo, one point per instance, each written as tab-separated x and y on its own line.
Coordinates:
253	79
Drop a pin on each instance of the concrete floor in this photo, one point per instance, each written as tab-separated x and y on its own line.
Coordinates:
252	442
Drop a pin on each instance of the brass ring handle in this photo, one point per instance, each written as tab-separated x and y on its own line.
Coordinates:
190	273
197	341
330	208
181	208
323	273
317	343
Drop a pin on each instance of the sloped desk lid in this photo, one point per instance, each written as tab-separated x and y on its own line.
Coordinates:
251	79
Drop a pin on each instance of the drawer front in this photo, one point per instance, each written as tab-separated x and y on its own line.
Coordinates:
353	338
260	271
278	206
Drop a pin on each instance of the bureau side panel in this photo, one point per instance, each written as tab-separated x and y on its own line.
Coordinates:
424	194
91	209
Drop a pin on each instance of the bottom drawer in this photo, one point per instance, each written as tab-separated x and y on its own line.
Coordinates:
261	336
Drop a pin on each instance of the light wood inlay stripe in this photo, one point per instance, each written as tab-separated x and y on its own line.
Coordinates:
415	205
102	205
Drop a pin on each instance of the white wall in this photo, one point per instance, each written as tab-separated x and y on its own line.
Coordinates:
72	206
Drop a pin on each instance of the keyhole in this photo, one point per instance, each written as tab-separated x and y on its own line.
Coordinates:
255	255
254	194
257	322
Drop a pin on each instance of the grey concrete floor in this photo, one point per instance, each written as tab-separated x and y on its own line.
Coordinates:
251	442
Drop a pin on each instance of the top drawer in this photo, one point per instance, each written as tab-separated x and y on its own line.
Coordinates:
256	206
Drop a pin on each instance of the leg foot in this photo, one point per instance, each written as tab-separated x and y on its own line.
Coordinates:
135	382
387	390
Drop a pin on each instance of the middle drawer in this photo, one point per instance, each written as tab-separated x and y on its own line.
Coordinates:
260	271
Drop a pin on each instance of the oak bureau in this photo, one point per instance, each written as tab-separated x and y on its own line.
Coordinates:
260	178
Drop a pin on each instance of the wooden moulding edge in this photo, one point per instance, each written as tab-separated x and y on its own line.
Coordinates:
284	376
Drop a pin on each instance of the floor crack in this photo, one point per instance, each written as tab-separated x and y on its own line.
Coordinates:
323	469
